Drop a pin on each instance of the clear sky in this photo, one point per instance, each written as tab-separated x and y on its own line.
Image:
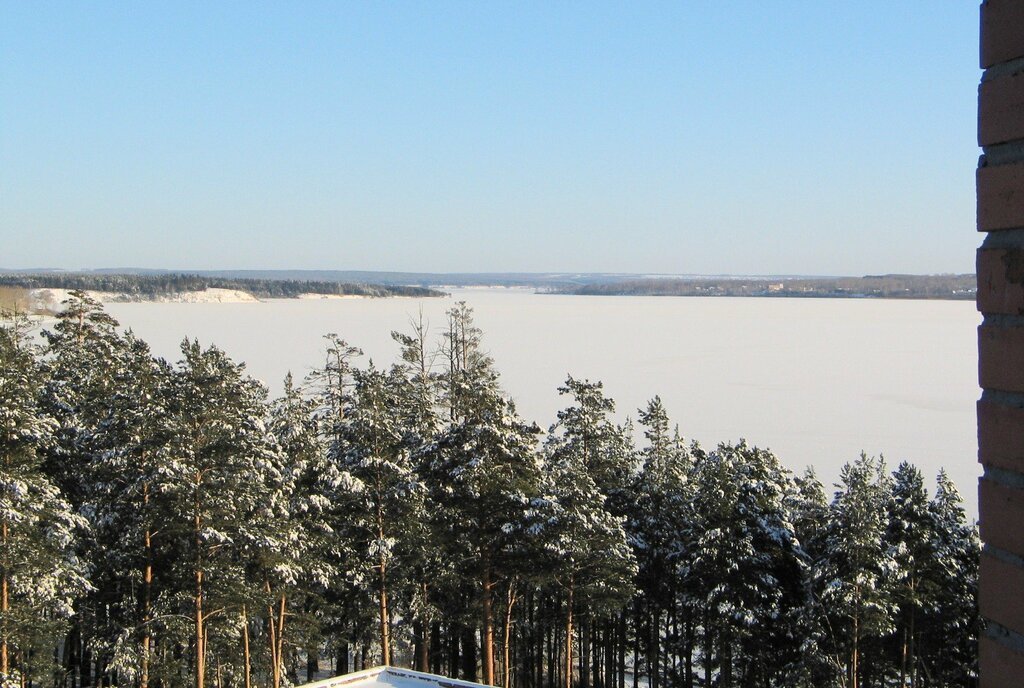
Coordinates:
685	137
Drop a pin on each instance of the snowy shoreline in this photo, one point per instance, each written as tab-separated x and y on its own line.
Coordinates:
51	297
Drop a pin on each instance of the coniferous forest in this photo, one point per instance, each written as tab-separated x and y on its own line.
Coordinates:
166	524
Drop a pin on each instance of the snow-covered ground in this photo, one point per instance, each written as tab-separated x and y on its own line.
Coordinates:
815	380
330	296
50	298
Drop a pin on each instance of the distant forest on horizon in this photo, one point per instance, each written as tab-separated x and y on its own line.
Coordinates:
291	283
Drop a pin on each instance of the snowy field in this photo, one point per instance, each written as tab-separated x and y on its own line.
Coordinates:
815	380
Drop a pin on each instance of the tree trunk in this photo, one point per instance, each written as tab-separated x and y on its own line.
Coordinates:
275	630
312	664
469	654
622	649
488	627
913	650
282	606
435	647
506	654
341	662
854	652
147	596
200	635
247	666
385	640
4	609
568	638
903	659
584	634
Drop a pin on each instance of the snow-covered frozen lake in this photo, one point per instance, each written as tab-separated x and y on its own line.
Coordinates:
815	380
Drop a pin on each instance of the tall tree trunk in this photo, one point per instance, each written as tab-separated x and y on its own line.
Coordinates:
913	646
197	522
341	663
435	647
854	651
275	629
281	608
622	649
385	639
147	595
568	637
488	626
4	609
903	659
469	653
584	634
247	666
510	601
200	636
312	663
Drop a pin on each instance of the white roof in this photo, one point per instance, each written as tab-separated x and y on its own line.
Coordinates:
391	677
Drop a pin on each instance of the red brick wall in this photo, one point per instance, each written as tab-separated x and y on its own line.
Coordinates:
1000	181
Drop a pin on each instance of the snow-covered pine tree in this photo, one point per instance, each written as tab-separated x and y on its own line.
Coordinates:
588	555
372	447
304	556
125	500
604	449
482	470
420	422
40	574
858	562
910	538
349	607
809	514
216	482
746	563
658	526
949	645
83	351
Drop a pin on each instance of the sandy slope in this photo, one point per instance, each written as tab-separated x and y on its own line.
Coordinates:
53	297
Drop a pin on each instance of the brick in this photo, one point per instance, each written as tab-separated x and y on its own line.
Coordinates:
1001	511
1001	280
1000	103
1002	31
997	577
1001	667
1001	358
1001	436
1000	197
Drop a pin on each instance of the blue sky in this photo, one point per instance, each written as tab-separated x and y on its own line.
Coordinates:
697	137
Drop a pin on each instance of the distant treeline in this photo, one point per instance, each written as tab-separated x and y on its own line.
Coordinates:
165	284
870	286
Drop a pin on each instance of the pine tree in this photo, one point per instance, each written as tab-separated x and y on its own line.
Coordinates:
809	513
658	526
910	538
746	559
83	353
853	573
40	574
222	458
952	621
125	499
587	548
605	450
482	469
372	447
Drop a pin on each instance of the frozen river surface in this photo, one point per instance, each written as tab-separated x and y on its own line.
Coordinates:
817	381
